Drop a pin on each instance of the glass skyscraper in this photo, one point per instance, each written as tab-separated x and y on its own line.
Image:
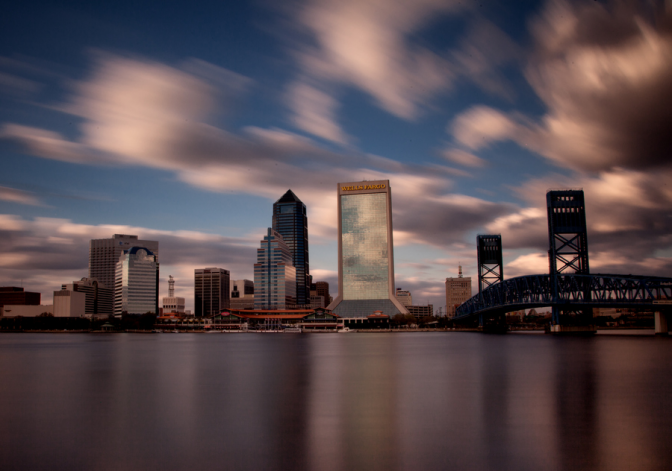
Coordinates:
365	251
274	275
291	222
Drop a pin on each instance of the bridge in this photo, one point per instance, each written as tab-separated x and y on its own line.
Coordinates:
569	289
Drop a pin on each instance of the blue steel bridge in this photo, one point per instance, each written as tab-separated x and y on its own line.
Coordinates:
569	288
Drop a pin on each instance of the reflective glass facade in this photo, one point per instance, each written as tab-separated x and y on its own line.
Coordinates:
291	222
366	261
364	245
137	282
274	274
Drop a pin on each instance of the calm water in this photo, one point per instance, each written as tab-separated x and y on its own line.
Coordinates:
425	401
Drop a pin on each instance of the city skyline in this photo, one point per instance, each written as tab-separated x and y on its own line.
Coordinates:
184	128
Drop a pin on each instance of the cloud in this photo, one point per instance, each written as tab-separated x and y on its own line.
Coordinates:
365	44
479	126
315	112
604	73
461	157
629	217
18	196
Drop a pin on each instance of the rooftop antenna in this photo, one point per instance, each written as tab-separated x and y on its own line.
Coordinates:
459	275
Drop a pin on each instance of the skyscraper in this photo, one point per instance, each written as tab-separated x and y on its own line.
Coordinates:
274	274
136	289
211	291
365	251
291	222
104	255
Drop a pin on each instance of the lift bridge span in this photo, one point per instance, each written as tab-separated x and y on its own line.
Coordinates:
569	288
574	293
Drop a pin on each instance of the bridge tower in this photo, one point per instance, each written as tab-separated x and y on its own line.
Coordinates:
490	267
568	242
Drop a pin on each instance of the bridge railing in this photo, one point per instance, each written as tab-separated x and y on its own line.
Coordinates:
594	290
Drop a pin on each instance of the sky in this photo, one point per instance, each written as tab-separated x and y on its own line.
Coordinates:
183	122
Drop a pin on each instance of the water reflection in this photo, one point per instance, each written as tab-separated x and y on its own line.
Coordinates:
334	402
576	412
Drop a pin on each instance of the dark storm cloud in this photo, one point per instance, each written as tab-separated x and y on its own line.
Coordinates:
604	72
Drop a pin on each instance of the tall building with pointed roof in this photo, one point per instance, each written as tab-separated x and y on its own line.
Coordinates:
291	222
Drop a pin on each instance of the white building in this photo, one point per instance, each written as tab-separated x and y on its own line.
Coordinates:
173	303
69	303
104	255
404	297
137	282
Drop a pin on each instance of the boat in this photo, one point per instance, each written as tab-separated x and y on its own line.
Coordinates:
345	330
293	330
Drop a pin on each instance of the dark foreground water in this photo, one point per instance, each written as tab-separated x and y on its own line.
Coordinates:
425	401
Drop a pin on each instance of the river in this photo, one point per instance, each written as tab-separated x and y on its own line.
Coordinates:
356	401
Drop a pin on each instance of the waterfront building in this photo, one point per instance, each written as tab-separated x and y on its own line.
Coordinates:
242	294
421	311
104	255
458	290
136	288
16	296
365	251
211	291
99	298
68	303
291	222
172	303
26	310
404	297
274	274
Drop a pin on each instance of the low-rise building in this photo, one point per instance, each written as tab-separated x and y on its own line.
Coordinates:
69	303
26	310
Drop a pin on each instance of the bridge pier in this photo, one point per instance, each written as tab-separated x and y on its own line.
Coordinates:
662	325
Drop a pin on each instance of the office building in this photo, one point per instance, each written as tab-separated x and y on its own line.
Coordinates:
136	288
99	298
104	255
458	290
242	294
274	274
321	288
68	303
421	311
211	291
291	222
365	251
173	303
404	297
16	296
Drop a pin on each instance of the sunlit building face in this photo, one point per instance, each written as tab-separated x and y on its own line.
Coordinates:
364	244
366	262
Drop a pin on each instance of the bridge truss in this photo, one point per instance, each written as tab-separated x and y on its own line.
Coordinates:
574	292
